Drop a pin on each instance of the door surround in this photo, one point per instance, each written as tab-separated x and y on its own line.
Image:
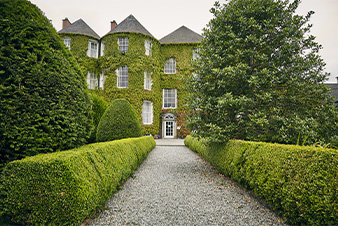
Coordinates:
169	127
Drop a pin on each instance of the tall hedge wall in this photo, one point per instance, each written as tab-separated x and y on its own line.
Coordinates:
43	99
300	183
64	188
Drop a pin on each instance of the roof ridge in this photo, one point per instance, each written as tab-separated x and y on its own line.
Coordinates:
80	27
130	24
182	34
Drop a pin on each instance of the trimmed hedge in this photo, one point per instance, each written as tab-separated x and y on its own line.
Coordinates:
66	187
99	106
44	106
299	182
119	121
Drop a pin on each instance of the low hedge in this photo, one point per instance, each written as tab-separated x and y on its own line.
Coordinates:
299	182
64	188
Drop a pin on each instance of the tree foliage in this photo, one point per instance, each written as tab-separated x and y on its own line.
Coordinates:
118	121
44	106
259	76
99	106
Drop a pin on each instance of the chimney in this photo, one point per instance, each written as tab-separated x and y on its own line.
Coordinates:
113	24
65	23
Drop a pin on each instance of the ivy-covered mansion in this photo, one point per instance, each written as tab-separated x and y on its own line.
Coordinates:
128	62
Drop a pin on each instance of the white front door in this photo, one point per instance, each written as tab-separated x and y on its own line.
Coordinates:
169	129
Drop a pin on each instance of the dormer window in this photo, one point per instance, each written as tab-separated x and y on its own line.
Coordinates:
170	66
93	49
148	45
123	44
195	54
66	41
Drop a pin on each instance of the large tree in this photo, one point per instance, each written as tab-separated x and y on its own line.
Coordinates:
259	76
44	106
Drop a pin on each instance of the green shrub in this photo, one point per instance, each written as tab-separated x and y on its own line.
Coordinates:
66	187
99	105
43	103
118	121
299	182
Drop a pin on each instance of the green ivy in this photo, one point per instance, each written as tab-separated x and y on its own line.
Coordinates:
78	48
138	63
182	53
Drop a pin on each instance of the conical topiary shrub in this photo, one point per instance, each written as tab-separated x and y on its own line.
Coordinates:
44	106
118	121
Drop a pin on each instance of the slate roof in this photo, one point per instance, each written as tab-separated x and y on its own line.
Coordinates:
182	35
334	91
130	24
79	27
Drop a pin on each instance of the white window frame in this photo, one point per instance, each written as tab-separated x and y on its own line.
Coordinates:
148	46
195	54
93	52
147	112
102	80
123	44
102	48
92	80
148	82
66	41
122	77
170	66
164	100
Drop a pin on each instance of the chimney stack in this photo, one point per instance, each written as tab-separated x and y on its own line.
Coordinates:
113	24
65	23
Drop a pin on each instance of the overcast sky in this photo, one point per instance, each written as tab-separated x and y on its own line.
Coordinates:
160	17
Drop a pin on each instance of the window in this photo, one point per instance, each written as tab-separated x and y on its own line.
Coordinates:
169	98
102	49
66	41
170	66
195	54
122	77
123	44
148	45
102	80
93	49
91	80
147	112
147	80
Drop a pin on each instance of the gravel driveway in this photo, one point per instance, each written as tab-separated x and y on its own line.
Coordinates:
174	186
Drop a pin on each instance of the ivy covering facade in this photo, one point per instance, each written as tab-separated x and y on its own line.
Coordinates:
138	63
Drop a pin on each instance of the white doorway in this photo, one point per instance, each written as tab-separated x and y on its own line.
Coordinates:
169	126
169	130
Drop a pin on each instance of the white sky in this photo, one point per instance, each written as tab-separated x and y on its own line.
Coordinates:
160	17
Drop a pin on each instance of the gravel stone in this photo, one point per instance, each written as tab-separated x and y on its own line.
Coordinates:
174	186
